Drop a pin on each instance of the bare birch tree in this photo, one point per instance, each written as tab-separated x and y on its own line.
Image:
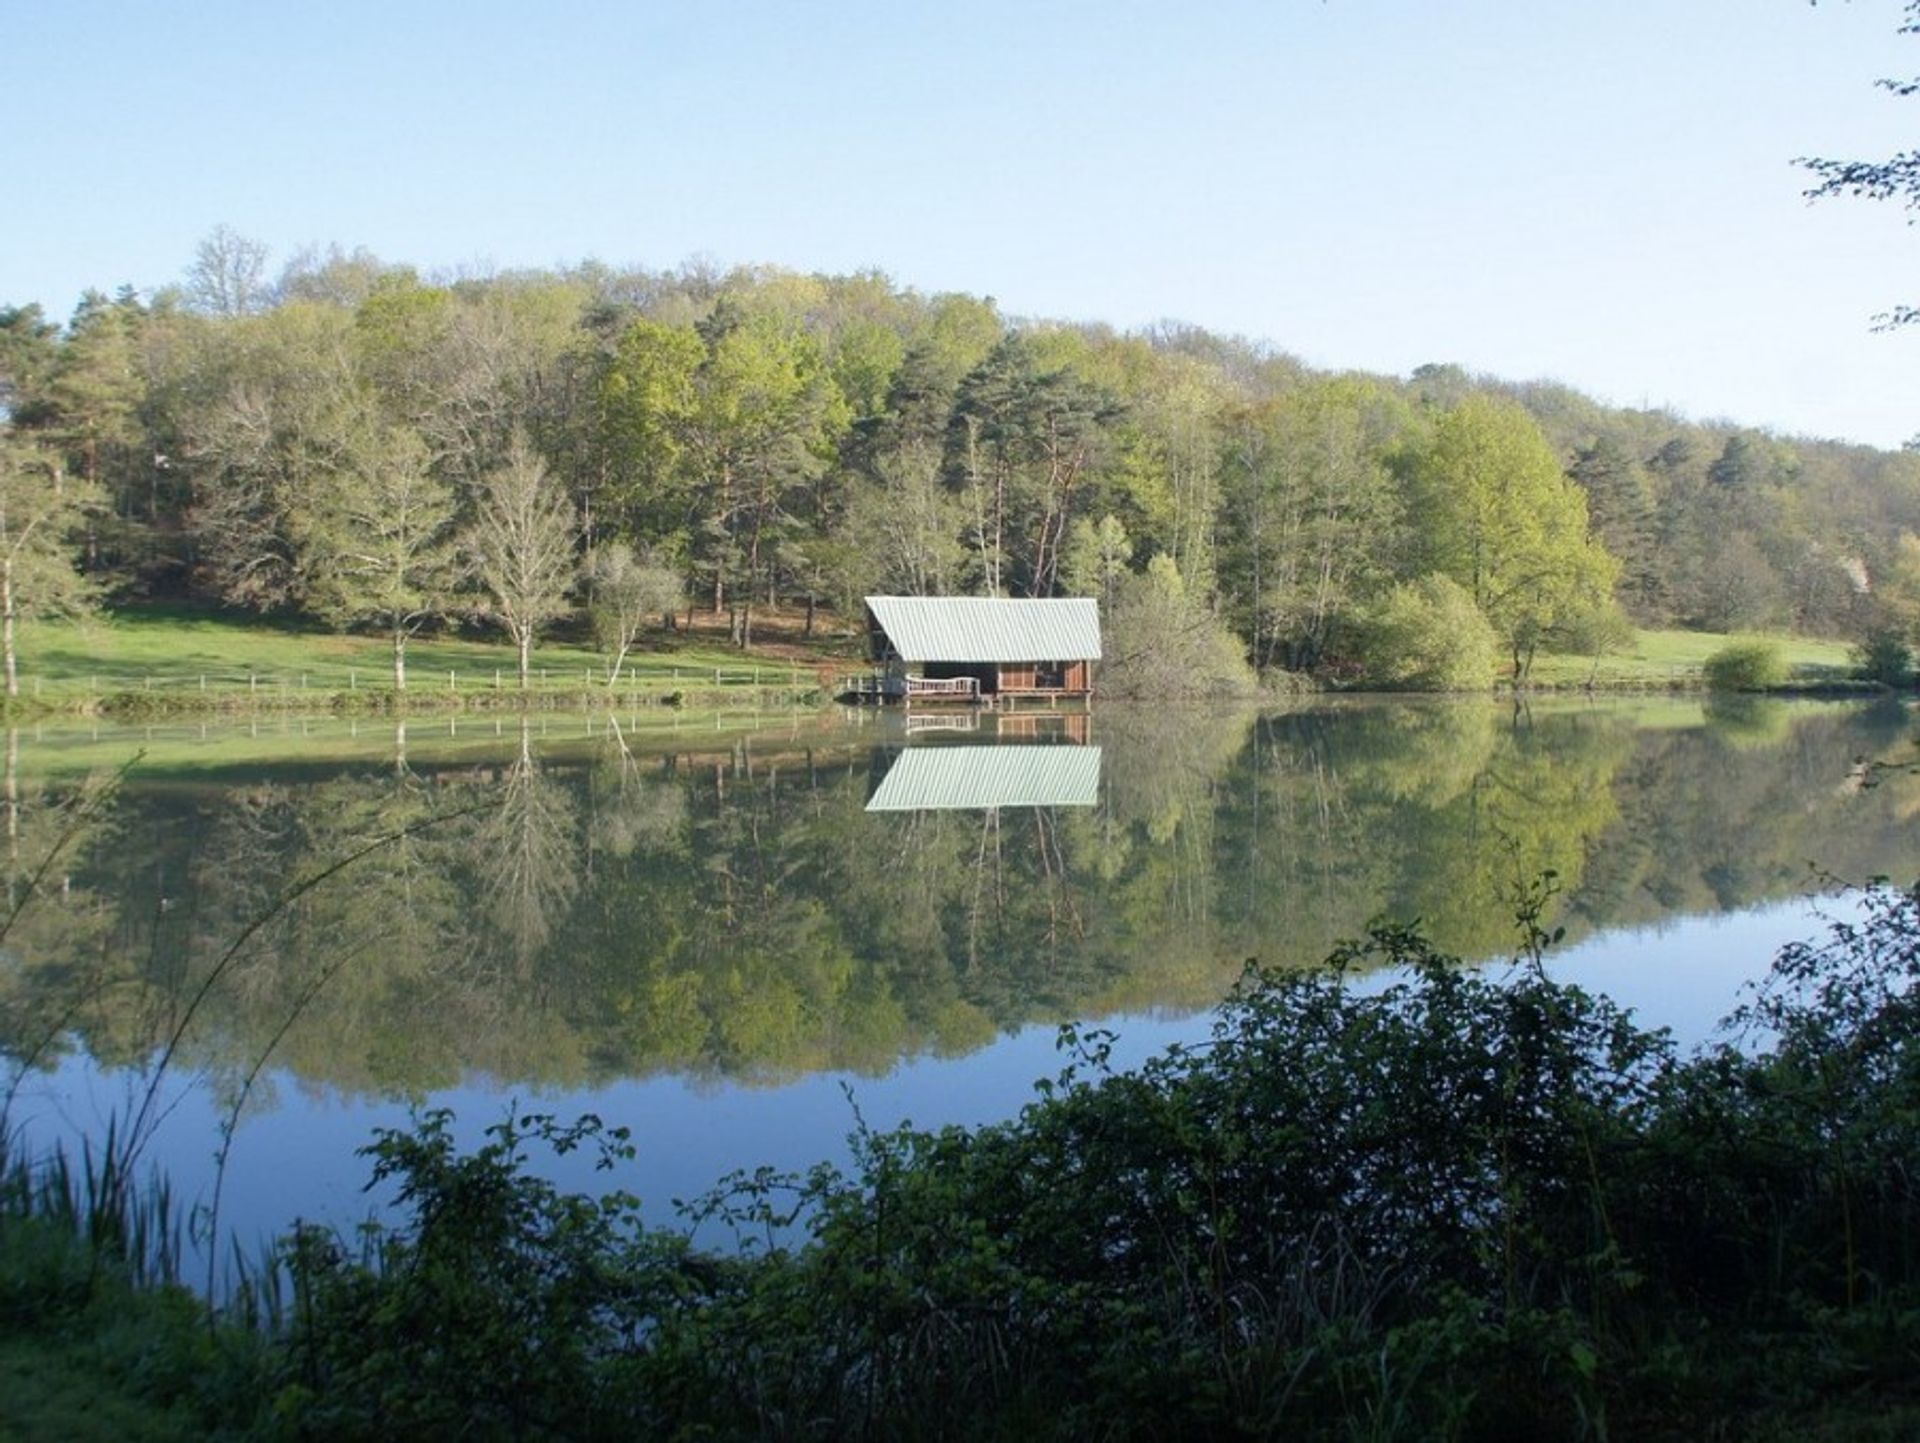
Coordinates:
521	543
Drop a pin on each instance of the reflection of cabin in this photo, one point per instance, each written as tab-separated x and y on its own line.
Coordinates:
983	649
939	778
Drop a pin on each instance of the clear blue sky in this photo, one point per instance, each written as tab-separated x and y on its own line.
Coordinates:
1598	193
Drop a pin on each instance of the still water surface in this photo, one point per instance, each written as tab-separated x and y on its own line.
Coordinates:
727	933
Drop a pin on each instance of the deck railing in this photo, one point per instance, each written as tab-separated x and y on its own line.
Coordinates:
950	688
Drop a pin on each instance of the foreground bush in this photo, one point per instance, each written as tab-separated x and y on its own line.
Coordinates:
1461	1206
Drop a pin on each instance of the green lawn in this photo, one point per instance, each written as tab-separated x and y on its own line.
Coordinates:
176	654
1674	658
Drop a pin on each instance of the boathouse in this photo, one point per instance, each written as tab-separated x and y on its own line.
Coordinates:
983	649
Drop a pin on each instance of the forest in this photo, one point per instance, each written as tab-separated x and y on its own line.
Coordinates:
357	446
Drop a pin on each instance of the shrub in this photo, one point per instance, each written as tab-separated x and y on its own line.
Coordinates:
1428	635
1166	643
1884	656
1753	665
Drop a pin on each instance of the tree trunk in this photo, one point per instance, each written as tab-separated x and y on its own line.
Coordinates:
399	659
524	635
6	626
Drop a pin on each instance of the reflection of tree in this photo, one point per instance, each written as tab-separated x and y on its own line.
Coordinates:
54	958
740	913
528	852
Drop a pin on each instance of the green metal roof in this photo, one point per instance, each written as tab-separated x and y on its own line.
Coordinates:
989	628
951	778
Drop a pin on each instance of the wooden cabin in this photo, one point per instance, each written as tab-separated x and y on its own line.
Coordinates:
984	649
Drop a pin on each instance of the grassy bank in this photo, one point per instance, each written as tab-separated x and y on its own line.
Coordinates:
1460	1208
158	663
1674	660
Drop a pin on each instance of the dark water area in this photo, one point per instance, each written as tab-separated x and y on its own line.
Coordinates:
729	934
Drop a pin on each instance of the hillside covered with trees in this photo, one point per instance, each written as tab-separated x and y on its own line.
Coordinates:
363	447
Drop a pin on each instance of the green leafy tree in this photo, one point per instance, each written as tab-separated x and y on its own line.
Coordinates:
1620	512
274	416
1495	513
1314	522
1023	443
765	418
29	347
1097	557
41	507
646	397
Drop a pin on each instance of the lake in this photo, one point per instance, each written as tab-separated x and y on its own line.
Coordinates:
736	934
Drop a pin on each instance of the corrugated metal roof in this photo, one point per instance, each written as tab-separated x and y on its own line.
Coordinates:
989	628
943	778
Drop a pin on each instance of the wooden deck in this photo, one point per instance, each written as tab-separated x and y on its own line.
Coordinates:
878	688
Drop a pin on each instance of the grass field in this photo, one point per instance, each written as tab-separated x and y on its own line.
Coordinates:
176	659
1661	659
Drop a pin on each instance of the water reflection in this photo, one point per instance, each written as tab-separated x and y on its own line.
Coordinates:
988	778
760	904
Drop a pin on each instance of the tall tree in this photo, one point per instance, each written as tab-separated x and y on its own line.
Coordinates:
1024	441
1495	512
764	422
521	543
1314	523
645	399
274	417
1620	514
41	507
379	539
